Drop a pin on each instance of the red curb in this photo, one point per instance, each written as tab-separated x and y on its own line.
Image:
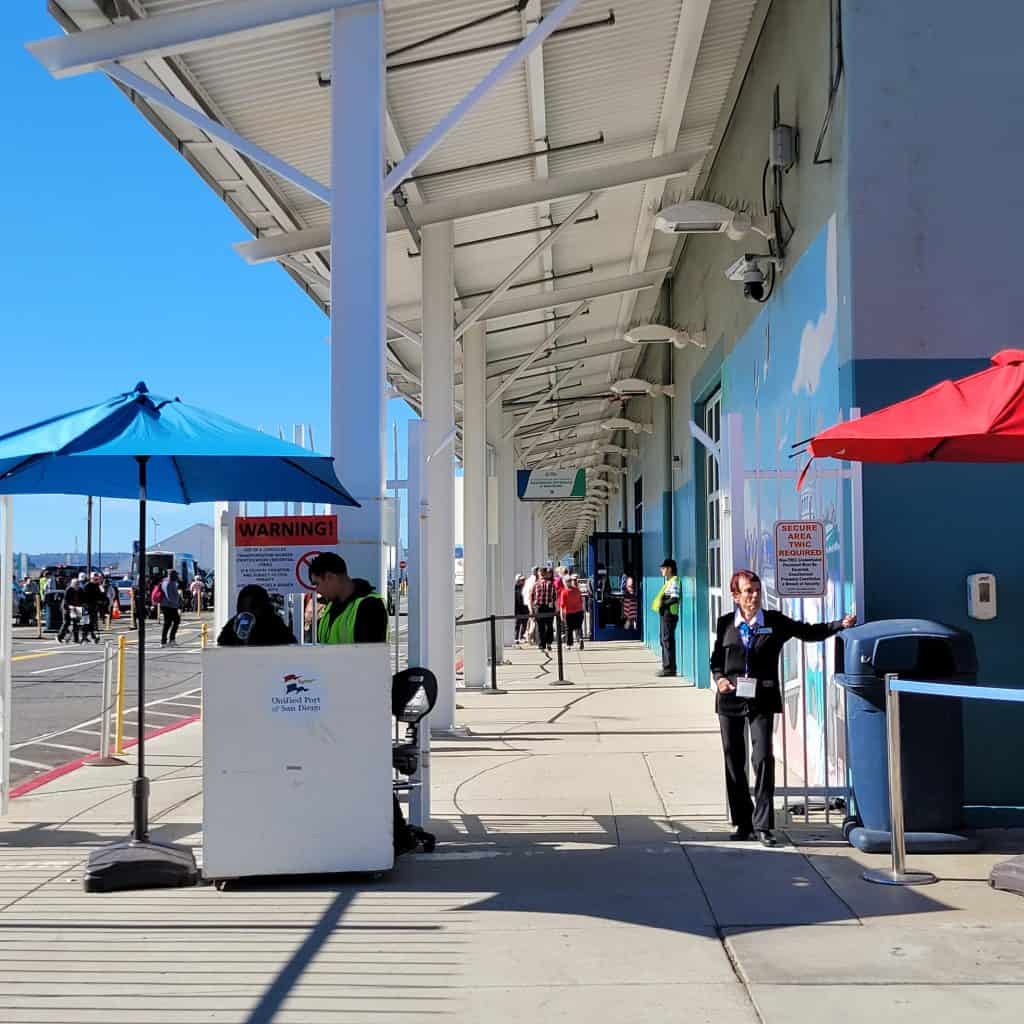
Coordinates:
67	769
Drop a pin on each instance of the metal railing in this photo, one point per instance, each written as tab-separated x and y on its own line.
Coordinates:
899	874
493	620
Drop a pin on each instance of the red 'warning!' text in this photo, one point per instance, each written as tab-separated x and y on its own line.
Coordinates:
275	531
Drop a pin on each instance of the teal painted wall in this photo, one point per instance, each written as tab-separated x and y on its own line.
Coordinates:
926	528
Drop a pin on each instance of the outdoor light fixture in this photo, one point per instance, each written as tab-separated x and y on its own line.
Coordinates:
636	386
696	217
614	449
659	334
620	423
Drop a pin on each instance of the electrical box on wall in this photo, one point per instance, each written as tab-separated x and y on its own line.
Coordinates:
981	595
782	147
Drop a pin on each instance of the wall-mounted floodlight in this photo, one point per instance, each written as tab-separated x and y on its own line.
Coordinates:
659	334
635	386
620	423
696	217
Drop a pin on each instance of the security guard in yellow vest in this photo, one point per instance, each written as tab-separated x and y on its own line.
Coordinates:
666	604
353	612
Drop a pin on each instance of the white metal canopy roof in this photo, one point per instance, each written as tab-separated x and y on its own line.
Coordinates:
620	81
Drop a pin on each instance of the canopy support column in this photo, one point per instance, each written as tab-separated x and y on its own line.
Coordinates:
506	499
474	483
358	378
438	533
6	646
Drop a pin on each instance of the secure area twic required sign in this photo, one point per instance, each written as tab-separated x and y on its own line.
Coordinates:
275	551
800	558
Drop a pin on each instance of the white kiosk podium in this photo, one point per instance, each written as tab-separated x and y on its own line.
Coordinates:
296	760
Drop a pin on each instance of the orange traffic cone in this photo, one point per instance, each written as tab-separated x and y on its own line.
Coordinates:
116	612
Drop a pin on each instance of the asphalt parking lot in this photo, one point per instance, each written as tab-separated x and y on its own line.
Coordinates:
58	690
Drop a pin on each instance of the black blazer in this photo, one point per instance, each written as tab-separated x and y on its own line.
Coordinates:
729	659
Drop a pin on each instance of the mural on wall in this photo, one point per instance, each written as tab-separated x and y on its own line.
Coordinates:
783	377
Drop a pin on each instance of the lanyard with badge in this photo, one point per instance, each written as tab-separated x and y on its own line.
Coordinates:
745	685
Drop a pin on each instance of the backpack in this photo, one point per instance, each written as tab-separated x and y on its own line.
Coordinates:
157	595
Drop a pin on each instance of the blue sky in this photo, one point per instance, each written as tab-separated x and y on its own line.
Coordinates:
119	268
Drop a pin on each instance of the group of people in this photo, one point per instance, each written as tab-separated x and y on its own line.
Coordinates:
87	601
541	597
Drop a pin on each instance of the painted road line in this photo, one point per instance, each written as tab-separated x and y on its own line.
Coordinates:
165	714
62	668
67	746
30	764
36	740
65	769
40	654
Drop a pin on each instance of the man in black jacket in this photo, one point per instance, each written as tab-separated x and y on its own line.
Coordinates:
745	667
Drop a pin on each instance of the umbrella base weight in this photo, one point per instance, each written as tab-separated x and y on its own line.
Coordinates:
135	865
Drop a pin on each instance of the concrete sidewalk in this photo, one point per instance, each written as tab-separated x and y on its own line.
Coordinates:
583	873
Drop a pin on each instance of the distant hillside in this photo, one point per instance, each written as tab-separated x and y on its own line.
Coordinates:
120	559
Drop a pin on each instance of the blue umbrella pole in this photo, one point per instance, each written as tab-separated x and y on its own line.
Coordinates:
140	787
139	863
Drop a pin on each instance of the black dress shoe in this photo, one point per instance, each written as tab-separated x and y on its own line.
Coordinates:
766	838
741	835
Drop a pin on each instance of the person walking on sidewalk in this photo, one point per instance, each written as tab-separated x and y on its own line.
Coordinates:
543	600
570	604
745	667
666	604
521	610
170	609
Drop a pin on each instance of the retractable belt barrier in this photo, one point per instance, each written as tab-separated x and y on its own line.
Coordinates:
493	620
898	874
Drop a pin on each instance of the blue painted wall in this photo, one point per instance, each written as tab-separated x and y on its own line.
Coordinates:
934	290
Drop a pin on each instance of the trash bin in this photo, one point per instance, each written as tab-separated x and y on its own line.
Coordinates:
931	732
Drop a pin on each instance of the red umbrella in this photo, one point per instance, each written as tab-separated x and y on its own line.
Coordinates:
979	418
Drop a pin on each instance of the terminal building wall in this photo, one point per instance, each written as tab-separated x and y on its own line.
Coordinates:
901	272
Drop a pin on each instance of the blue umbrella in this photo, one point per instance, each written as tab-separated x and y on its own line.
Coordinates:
139	445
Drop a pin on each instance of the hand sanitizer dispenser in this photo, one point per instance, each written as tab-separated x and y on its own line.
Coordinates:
981	595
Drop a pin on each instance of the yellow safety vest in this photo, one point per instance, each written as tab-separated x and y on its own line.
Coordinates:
343	629
673	608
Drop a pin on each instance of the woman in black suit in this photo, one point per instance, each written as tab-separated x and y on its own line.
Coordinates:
745	667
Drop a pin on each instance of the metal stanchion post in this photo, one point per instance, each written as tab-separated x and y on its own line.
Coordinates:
122	644
561	680
106	759
105	720
898	873
203	636
494	653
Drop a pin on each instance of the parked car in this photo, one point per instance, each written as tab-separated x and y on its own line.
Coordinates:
124	593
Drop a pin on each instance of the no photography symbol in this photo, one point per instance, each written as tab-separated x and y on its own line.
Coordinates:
302	570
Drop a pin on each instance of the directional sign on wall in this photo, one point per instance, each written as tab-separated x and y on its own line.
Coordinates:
551	484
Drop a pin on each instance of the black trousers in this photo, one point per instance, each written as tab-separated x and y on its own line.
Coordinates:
172	618
545	626
668	642
573	627
759	814
522	621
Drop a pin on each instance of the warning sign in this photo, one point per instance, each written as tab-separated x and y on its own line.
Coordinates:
275	551
800	558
